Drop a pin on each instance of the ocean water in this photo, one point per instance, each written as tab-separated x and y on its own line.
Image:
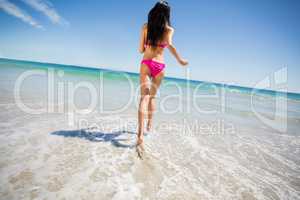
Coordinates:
68	132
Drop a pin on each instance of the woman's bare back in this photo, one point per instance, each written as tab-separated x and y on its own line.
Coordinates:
155	53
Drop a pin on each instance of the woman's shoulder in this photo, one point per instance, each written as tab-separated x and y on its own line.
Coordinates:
145	26
170	29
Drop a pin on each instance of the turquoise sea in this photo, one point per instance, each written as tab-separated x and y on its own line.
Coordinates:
69	132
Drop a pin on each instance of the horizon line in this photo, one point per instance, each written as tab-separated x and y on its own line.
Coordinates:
166	77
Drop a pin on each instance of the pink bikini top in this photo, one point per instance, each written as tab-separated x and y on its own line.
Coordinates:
161	45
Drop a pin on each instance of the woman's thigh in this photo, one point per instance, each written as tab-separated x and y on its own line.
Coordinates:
155	83
144	80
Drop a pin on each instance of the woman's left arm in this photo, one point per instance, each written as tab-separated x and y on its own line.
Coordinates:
142	39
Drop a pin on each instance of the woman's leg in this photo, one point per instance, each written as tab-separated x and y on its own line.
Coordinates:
145	93
155	83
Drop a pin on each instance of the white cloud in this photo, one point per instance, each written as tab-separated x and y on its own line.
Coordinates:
17	12
47	9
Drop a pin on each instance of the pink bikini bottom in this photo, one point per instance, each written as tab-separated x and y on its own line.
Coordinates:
154	67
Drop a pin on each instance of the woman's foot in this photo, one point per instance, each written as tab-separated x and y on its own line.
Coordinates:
140	148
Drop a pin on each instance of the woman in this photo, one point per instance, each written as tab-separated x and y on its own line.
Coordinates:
156	35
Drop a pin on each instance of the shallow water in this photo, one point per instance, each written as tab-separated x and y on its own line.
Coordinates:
228	144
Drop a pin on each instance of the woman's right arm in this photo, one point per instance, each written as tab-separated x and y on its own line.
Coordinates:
173	50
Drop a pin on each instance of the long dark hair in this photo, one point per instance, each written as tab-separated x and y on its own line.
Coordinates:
158	19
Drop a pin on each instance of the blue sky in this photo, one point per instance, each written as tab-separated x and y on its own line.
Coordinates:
231	41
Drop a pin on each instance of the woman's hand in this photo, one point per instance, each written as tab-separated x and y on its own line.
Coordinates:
183	62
